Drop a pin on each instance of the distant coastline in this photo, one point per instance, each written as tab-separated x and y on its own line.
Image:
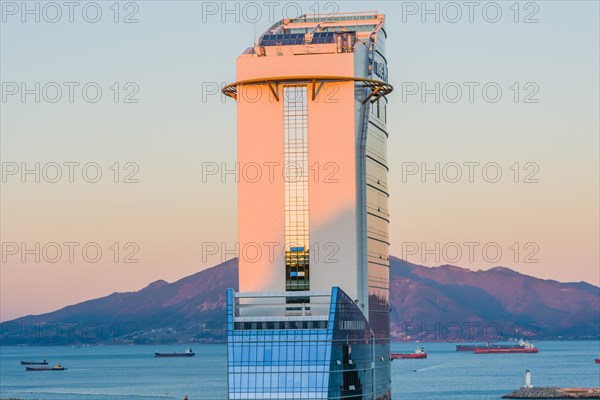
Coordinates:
445	304
223	342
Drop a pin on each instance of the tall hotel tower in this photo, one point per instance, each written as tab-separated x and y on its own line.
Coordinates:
311	319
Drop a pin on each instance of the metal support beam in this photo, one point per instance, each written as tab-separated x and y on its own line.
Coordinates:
373	92
378	88
315	89
274	90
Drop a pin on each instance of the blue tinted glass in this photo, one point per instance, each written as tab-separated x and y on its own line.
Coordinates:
312	380
245	353
312	352
282	379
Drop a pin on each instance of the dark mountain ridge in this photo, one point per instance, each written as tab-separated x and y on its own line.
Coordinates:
445	303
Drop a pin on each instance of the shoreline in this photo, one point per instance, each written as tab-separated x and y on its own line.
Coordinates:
219	342
554	393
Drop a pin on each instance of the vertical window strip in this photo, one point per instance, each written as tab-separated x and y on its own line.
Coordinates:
296	187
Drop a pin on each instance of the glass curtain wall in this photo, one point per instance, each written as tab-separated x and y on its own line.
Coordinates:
295	116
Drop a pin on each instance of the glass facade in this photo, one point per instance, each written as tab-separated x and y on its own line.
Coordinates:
333	361
353	364
295	130
377	221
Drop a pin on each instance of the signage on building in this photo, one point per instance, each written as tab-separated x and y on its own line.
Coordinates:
380	70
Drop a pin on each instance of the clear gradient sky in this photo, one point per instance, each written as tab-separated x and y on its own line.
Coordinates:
175	55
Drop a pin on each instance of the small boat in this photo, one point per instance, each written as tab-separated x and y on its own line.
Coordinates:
56	367
597	360
43	362
526	348
419	353
187	353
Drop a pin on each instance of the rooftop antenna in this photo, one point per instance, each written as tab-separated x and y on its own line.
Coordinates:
254	29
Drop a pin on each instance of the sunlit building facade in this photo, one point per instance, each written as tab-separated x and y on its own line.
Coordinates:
311	318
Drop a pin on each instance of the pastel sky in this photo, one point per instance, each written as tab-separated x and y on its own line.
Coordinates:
545	224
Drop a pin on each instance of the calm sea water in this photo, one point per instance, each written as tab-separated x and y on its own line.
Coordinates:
132	372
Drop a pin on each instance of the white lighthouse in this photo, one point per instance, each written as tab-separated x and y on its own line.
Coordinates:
528	384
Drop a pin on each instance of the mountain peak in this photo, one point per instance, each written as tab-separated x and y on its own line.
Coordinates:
504	269
454	268
156	285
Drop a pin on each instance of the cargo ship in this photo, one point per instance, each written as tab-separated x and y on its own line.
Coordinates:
527	348
473	347
43	362
187	353
419	353
56	367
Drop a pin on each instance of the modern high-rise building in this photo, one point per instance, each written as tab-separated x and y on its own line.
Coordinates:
311	318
